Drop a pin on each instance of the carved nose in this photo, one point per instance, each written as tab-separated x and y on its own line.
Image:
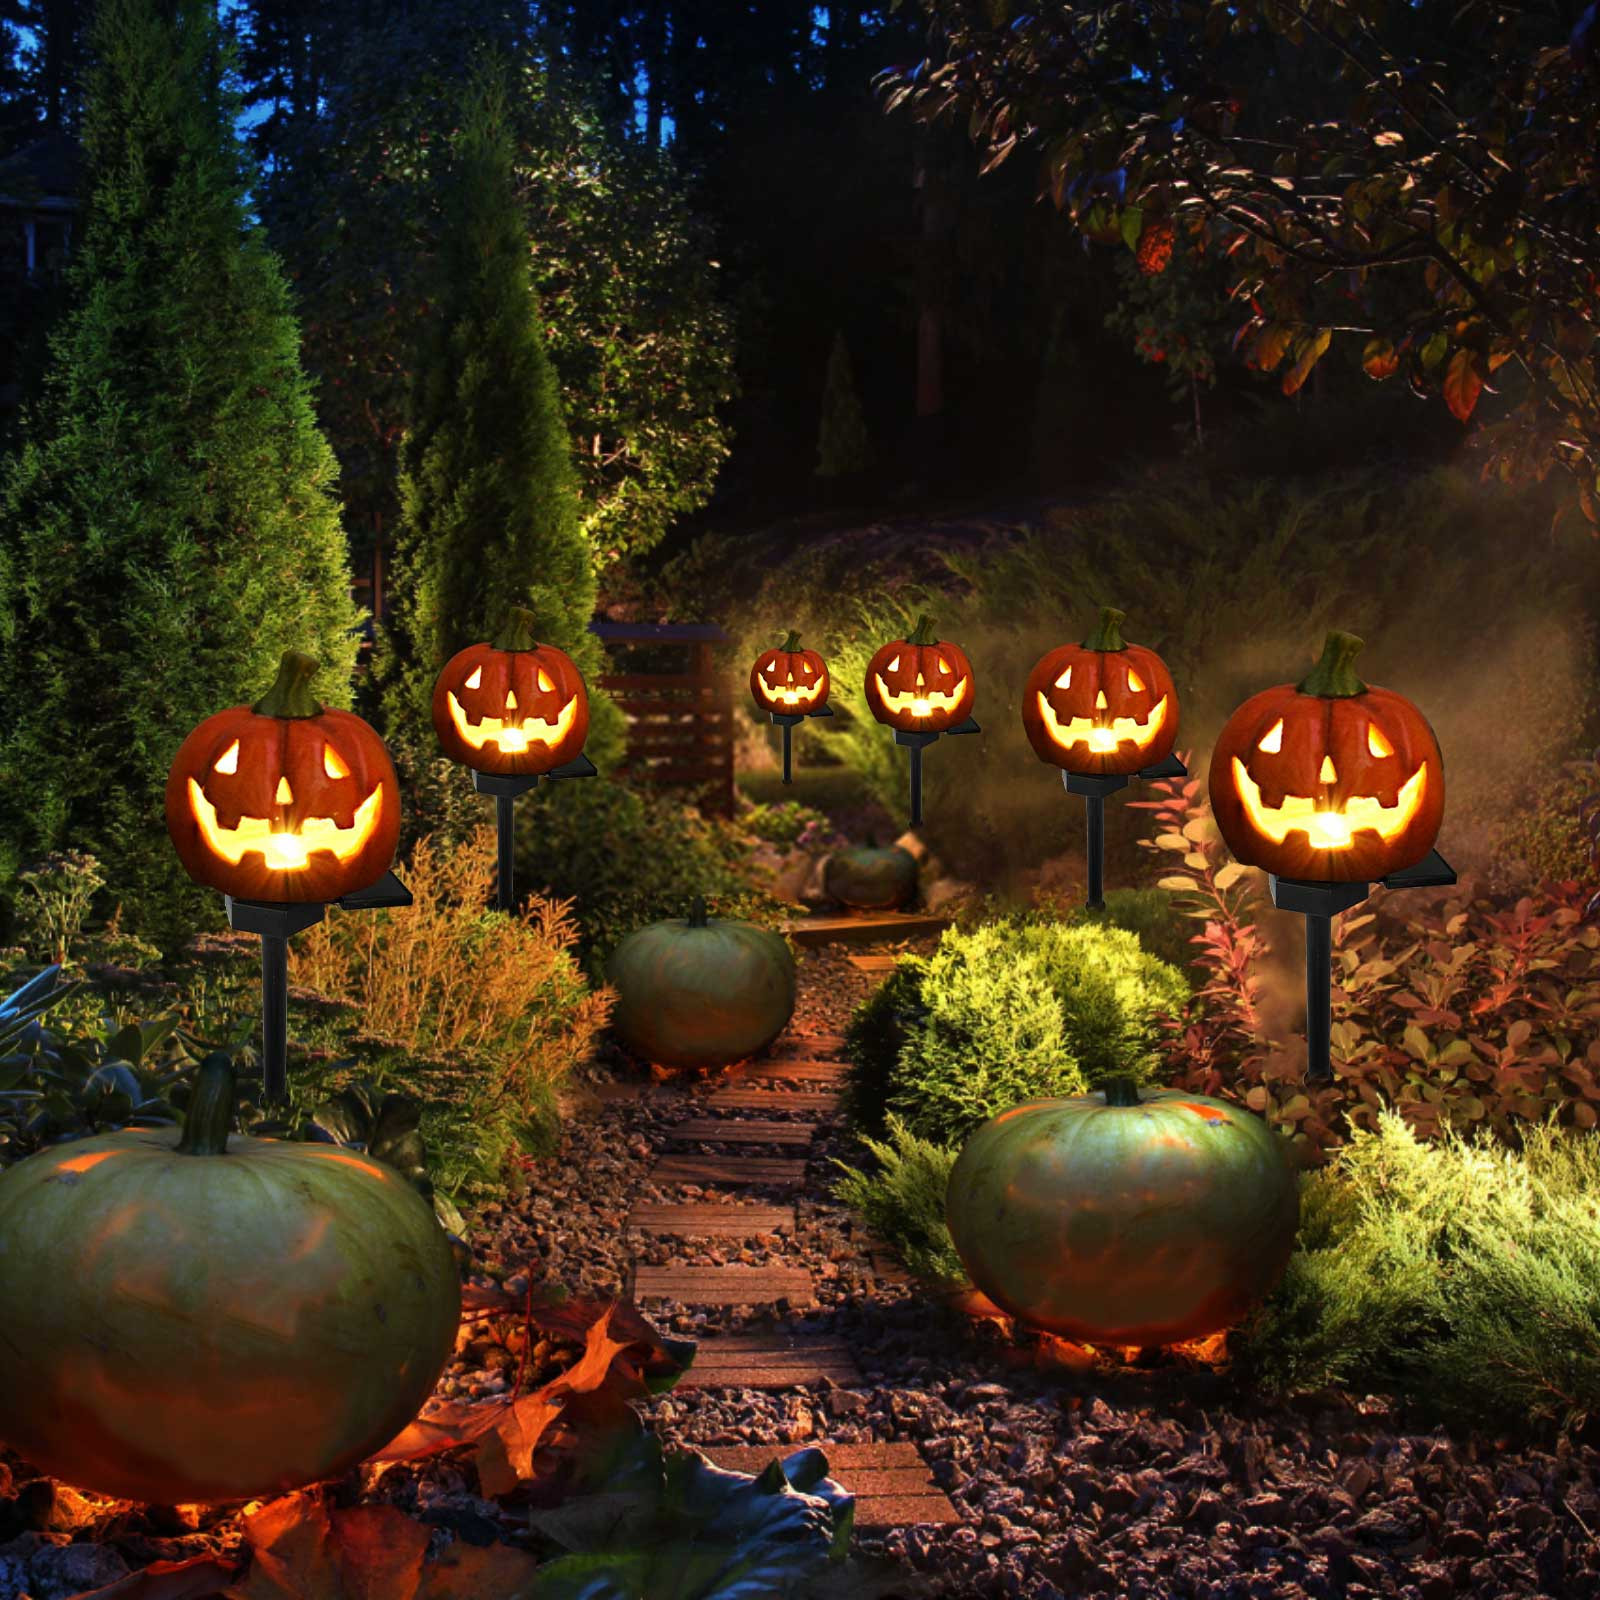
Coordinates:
285	795
919	680
1100	701
1327	775
511	699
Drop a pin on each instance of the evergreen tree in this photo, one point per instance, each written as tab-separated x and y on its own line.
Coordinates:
490	513
843	447
168	527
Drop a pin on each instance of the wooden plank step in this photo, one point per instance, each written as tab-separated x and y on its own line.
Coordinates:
741	1130
728	1169
874	966
710	1220
724	1286
771	1361
812	1046
891	1483
862	927
774	1100
791	1071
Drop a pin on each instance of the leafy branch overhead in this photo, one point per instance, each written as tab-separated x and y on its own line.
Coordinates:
1419	181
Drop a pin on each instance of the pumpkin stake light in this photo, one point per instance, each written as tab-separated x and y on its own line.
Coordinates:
790	684
1103	711
921	686
286	807
513	711
1330	785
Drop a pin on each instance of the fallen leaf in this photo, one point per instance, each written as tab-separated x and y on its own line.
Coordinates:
198	1579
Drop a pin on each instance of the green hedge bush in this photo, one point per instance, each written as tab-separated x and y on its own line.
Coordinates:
1009	1011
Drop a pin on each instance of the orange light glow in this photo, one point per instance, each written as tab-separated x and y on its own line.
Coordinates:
83	1163
368	1167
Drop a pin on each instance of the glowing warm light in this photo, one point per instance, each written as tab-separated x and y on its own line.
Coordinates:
1273	742
332	765
546	685
1377	745
919	701
228	761
284	795
791	693
284	851
511	736
1135	682
1098	737
372	1169
84	1163
1327	772
894	666
1329	830
475	679
1065	680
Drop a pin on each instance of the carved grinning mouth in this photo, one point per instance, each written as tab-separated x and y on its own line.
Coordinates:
1102	738
1329	830
284	852
920	701
793	694
512	737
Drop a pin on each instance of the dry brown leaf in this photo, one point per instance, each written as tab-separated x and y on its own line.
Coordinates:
199	1578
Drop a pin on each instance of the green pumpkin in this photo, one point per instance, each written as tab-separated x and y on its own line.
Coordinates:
213	1317
1124	1218
701	992
870	877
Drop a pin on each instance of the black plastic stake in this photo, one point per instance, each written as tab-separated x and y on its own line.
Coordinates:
1095	810
789	721
1319	902
916	784
274	1017
916	743
505	819
788	741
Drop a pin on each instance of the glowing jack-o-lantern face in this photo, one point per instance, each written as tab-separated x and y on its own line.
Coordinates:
512	706
1328	780
920	684
1102	706
284	800
789	680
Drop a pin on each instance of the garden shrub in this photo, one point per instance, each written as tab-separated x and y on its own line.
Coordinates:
1458	1271
170	519
1150	916
626	857
902	1200
786	823
1009	1011
448	977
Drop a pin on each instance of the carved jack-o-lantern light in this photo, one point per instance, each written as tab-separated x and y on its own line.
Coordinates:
789	680
920	684
284	800
1329	780
1102	706
512	706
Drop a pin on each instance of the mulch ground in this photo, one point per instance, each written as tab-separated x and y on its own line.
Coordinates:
1150	1483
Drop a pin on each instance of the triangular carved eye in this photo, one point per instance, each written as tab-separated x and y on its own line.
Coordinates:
944	666
475	679
1135	682
1065	680
805	667
1273	742
771	666
545	682
894	666
1376	743
228	761
332	765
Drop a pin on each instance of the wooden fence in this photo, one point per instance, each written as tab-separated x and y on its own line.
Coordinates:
678	707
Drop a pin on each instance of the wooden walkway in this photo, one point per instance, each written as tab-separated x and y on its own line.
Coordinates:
800	1078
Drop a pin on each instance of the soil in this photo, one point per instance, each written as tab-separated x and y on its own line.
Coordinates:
1097	1477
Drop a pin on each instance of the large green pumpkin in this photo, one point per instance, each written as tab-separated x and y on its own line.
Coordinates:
701	992
215	1317
1121	1218
870	877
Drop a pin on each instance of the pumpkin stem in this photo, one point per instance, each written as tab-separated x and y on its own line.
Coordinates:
697	912
1108	636
516	631
1334	676
923	632
1122	1091
290	694
791	644
205	1126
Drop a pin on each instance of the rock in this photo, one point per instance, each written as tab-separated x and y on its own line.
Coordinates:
59	1571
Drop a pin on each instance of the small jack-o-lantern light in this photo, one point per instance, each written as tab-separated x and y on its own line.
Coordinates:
790	681
284	800
513	706
1103	706
1330	780
920	684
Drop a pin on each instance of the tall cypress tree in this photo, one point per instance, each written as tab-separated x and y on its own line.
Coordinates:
168	526
490	514
844	448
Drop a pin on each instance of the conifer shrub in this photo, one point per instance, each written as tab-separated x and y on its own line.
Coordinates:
1008	1011
902	1200
1459	1271
490	512
844	449
168	526
1149	914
